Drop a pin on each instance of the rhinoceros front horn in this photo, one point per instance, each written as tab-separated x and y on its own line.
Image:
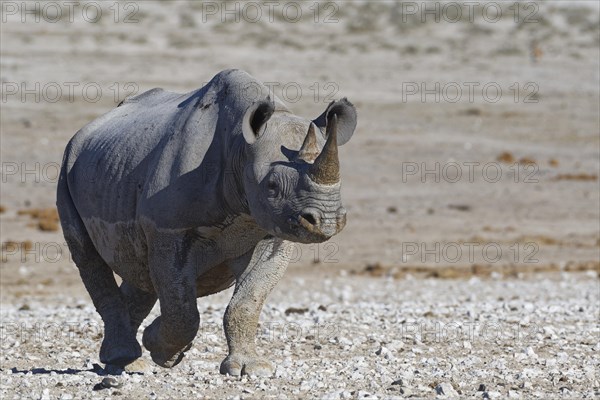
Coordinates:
326	168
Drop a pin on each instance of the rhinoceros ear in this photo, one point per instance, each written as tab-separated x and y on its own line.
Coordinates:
346	116
256	116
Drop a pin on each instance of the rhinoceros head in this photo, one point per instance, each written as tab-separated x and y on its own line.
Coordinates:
292	175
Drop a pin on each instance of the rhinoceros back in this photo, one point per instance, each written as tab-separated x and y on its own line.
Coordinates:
144	152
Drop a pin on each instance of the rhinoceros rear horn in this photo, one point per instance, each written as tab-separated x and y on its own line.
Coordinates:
326	168
255	117
309	150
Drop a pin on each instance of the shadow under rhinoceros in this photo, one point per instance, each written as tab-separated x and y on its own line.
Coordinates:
96	368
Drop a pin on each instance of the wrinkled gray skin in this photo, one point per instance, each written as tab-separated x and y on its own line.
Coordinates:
183	196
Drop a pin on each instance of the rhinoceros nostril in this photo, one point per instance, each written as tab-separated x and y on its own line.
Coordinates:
310	218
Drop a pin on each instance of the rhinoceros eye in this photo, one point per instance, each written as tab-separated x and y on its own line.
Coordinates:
273	188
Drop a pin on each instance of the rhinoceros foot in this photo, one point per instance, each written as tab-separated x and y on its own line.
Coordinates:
163	354
238	364
116	351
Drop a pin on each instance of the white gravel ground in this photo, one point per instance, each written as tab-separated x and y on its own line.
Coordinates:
350	337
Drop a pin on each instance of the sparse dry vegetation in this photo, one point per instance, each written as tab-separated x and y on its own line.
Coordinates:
46	218
576	177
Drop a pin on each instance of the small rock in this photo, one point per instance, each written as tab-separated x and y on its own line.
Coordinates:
525	385
336	394
110	382
382	351
551	362
529	352
305	386
398	382
446	389
363	395
491	395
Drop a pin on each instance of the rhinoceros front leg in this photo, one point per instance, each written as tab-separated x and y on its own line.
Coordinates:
174	280
257	273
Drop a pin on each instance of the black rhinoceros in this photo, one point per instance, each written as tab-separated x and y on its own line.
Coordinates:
184	195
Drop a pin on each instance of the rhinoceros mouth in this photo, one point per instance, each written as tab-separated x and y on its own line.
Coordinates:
300	222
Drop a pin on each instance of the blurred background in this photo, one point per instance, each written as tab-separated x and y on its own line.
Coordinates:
477	149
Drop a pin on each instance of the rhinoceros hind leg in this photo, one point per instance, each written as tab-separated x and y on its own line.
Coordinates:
139	303
119	346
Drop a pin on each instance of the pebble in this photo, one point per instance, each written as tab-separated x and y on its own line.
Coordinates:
366	395
445	389
110	382
492	395
384	352
529	352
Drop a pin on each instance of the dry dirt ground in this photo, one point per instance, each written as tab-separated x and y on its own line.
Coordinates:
471	253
